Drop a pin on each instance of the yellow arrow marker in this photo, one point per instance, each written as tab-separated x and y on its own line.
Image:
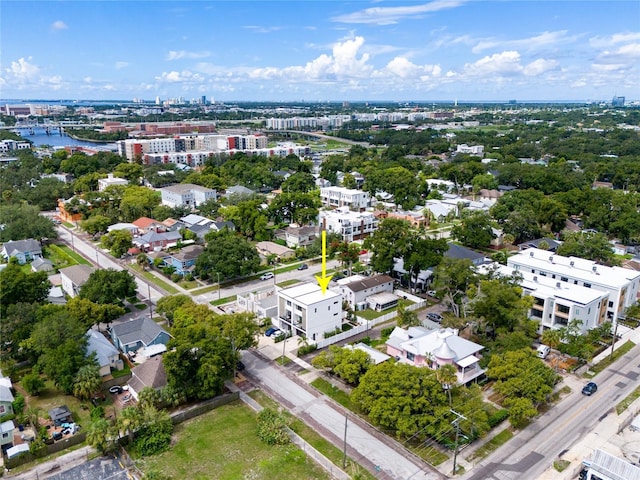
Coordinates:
323	280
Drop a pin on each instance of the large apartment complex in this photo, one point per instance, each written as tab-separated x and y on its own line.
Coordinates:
349	225
616	286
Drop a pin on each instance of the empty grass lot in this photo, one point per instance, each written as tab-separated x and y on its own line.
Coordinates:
223	444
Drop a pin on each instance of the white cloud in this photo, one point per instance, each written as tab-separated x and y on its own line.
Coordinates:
58	25
261	29
616	38
625	53
535	42
177	77
121	65
23	70
540	66
179	54
403	68
391	15
505	63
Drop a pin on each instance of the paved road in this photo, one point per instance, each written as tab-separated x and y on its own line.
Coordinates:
102	260
533	450
364	446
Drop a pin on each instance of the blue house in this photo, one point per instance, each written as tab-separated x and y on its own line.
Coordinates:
138	333
184	261
24	250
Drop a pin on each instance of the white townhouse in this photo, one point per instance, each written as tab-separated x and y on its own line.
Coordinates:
186	194
556	303
349	225
104	183
620	283
305	310
335	197
362	292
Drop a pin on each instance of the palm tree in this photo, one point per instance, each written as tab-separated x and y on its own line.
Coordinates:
129	421
447	377
100	435
87	382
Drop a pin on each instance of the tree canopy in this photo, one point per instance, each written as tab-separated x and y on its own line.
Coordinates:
228	254
108	286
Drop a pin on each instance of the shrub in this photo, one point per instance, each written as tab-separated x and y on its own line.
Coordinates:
18	404
305	349
366	340
176	277
272	428
33	384
97	413
498	417
386	332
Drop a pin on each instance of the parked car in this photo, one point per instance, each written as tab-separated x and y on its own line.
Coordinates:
435	317
303	266
337	276
115	389
543	351
239	366
272	331
589	389
431	293
267	276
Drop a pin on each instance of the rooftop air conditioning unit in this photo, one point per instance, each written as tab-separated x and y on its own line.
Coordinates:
572	263
558	285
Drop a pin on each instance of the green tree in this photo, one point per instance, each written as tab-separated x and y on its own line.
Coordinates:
118	242
272	427
423	253
138	202
248	217
154	433
446	375
129	420
389	241
167	306
96	224
90	313
552	338
453	278
407	318
108	286
592	246
87	382
23	221
501	305
33	383
18	286
299	182
474	231
101	435
228	254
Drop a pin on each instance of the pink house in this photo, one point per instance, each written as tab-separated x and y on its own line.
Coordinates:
422	347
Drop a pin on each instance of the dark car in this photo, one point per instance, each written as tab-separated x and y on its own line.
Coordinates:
303	266
435	317
270	331
337	276
589	389
239	366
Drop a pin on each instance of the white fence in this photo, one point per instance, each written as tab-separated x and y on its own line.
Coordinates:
365	324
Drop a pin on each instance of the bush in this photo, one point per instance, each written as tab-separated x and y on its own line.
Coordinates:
18	404
97	413
272	428
366	340
176	277
386	332
498	417
305	349
33	384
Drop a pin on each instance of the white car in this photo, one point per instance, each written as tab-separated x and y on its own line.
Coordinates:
266	276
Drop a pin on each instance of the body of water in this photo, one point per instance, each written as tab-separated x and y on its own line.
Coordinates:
54	139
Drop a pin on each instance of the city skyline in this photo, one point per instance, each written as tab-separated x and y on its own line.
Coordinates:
321	51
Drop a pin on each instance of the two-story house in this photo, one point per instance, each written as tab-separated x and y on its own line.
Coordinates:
349	225
336	197
138	333
365	292
74	277
422	347
23	250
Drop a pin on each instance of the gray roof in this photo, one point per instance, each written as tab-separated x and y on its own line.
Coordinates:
5	394
41	265
553	244
369	282
149	374
613	467
139	329
103	348
152	236
78	274
238	190
188	253
6	427
460	252
222	225
60	413
22	246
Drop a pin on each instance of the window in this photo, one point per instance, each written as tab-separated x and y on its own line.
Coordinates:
5	435
588	285
610	304
564	279
563	309
410	356
543	274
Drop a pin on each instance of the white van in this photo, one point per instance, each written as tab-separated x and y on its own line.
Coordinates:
543	351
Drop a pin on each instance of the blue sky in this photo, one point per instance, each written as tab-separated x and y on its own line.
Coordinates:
320	50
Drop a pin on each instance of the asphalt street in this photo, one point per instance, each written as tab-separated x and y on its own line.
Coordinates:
535	448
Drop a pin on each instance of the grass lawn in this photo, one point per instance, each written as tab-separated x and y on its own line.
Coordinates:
594	370
156	281
188	284
335	393
500	439
202	290
224	300
62	256
51	397
223	444
624	404
287	283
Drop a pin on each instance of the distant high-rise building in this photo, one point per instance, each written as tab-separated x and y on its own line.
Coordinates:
157	100
617	102
203	100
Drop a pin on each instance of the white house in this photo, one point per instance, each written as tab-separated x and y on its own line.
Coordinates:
477	150
349	225
305	310
620	283
186	194
74	277
104	183
422	347
334	197
358	291
107	356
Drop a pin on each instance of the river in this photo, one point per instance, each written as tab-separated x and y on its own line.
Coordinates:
54	139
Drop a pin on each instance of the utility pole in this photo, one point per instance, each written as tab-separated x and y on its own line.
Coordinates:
218	275
613	341
456	423
344	444
150	303
284	345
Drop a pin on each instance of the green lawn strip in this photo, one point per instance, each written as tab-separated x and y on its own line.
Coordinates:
600	366
333	392
155	280
200	291
325	447
286	283
500	439
428	453
62	256
188	284
624	404
226	447
224	300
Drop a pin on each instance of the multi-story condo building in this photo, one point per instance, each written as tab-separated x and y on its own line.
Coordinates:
557	303
350	225
305	310
621	284
186	194
334	197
